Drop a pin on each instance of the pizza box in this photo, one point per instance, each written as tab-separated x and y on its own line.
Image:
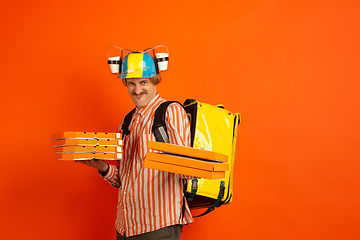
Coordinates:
183	170
213	166
88	156
187	151
87	142
88	149
86	135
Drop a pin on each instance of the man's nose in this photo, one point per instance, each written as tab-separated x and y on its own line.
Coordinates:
137	89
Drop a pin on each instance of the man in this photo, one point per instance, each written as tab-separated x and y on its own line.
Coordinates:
150	202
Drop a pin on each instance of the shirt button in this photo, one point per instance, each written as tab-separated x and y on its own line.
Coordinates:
124	193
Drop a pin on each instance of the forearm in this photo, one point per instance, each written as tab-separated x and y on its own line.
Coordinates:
100	165
104	171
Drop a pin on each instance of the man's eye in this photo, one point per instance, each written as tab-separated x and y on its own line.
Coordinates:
143	82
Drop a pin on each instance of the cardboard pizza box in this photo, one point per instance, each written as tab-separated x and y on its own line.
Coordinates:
183	170
89	156
187	151
86	142
88	149
188	162
86	135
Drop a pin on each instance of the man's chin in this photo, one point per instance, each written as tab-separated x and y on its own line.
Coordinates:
139	104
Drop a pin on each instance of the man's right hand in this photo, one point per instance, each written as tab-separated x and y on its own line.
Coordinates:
100	165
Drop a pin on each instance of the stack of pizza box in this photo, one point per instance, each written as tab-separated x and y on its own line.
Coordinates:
186	160
88	146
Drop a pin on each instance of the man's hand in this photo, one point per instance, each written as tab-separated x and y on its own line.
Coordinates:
100	165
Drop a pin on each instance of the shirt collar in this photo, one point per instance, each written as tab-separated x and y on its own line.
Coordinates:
143	111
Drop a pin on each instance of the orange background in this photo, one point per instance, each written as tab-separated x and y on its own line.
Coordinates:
291	68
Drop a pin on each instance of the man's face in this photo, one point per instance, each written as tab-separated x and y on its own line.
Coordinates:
141	91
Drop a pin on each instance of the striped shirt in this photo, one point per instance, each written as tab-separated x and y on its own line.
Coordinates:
149	199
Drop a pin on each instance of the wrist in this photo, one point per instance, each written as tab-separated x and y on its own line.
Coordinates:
104	168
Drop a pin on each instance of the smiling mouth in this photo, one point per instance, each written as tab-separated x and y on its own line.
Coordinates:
140	94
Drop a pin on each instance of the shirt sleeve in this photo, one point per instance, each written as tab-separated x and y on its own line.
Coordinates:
112	176
178	127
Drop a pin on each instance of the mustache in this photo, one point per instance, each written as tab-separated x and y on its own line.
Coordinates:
143	92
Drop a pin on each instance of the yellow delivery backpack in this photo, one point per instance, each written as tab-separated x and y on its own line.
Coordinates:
213	128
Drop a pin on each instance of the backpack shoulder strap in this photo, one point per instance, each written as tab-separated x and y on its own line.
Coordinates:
126	123
159	126
160	131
